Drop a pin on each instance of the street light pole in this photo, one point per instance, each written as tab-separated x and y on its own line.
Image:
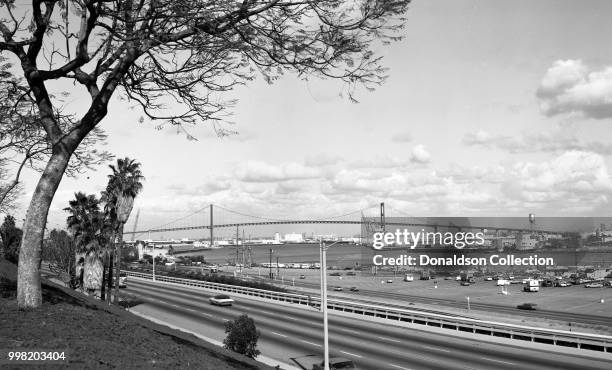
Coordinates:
154	268
322	255
324	306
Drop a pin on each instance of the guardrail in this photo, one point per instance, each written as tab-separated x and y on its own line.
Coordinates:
588	341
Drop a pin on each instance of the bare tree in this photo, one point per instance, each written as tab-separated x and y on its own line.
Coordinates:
174	58
23	142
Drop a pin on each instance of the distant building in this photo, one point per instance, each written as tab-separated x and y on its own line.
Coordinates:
526	241
293	238
504	242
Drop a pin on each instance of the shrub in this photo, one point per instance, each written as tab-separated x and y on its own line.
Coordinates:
242	336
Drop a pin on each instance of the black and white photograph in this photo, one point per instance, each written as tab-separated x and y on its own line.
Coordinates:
305	184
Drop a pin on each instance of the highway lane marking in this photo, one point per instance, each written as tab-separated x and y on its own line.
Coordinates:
351	354
307	342
389	339
258	311
500	361
400	367
349	331
279	334
436	349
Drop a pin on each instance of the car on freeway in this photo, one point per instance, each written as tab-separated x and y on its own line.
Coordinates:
221	300
335	274
351	273
527	306
594	285
354	289
302	276
489	278
448	278
316	362
337	363
338	288
122	279
389	281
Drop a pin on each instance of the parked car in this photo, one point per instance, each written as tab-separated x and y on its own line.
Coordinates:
335	274
547	283
354	289
302	276
389	281
527	306
489	278
465	283
351	273
221	300
594	285
338	288
448	278
562	284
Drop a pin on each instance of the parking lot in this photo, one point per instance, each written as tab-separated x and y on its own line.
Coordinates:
574	298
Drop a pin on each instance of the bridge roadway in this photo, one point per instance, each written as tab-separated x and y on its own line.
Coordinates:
292	222
292	332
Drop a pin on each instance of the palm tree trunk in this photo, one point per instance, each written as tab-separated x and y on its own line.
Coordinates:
29	292
110	278
104	281
118	268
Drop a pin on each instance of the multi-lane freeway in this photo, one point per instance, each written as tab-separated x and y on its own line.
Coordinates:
292	332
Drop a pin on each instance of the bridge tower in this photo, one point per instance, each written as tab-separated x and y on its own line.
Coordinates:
135	224
382	216
212	240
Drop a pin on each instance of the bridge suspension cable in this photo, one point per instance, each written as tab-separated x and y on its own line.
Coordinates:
182	218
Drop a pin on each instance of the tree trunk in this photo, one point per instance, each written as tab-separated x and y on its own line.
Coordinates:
104	280
118	261
110	278
29	293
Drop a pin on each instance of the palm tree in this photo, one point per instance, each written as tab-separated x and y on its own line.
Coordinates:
124	184
86	223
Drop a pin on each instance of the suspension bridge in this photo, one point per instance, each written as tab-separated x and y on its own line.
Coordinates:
370	219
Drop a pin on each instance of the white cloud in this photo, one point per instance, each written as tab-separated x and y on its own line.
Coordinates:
257	171
420	154
479	137
554	141
575	176
402	137
570	87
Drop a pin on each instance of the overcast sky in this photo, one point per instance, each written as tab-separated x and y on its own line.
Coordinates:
492	108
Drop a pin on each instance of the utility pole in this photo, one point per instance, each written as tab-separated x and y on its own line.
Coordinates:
236	260
270	273
277	267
